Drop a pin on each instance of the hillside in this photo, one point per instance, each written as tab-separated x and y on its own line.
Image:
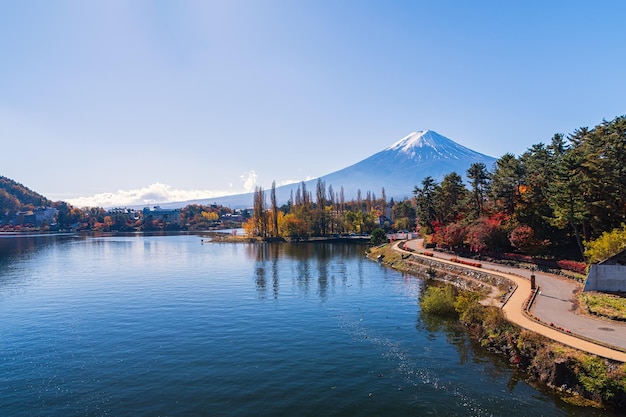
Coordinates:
14	196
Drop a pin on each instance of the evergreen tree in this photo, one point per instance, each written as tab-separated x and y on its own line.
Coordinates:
479	181
566	197
507	183
425	202
451	199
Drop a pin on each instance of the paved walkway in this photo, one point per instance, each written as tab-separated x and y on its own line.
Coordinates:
554	304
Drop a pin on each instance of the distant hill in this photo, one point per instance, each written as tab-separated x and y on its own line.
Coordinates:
398	168
14	196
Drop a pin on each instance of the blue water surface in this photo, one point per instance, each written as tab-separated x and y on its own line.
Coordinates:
172	325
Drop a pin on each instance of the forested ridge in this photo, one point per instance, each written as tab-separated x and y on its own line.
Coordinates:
550	200
15	196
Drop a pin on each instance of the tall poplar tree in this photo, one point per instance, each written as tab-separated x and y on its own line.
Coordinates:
274	210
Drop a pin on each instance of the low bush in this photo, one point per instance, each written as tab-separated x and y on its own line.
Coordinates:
439	301
464	262
467	305
578	267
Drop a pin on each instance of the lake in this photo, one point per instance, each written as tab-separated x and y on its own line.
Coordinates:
170	325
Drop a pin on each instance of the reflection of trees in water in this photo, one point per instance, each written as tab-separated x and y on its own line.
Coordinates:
20	248
16	249
275	276
260	279
262	254
469	350
303	276
321	262
322	277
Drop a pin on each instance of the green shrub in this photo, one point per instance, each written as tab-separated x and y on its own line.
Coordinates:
596	378
439	301
468	307
378	237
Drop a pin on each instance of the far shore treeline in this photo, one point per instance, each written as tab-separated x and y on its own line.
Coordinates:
551	201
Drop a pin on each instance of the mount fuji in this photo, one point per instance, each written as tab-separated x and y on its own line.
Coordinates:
397	169
403	165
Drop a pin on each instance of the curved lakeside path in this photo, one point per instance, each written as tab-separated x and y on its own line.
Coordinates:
555	303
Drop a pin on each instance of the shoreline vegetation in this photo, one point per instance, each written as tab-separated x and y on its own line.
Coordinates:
576	377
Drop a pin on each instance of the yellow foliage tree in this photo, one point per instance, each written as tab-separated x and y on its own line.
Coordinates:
209	215
609	244
249	227
292	226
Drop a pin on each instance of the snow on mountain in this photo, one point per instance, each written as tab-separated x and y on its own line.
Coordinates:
431	145
397	168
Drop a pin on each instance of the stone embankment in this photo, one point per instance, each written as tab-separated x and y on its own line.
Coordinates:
496	288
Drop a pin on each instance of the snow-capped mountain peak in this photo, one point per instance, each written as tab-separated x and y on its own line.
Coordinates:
417	139
429	145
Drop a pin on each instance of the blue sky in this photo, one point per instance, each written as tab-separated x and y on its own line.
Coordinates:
147	101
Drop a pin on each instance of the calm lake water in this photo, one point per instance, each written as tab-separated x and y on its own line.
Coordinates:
171	326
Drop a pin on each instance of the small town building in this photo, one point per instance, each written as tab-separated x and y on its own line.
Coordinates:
24	218
44	214
171	216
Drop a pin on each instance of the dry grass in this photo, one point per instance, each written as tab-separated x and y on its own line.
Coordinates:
389	256
605	305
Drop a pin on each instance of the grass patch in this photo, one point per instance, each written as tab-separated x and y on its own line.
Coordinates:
605	305
389	256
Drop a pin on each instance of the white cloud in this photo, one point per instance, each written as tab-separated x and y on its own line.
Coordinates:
287	182
249	180
152	194
158	193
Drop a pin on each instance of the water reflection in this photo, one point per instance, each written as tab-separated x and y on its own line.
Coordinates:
313	263
24	246
17	250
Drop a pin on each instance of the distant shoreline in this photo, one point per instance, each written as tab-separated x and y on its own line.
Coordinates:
319	239
35	234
